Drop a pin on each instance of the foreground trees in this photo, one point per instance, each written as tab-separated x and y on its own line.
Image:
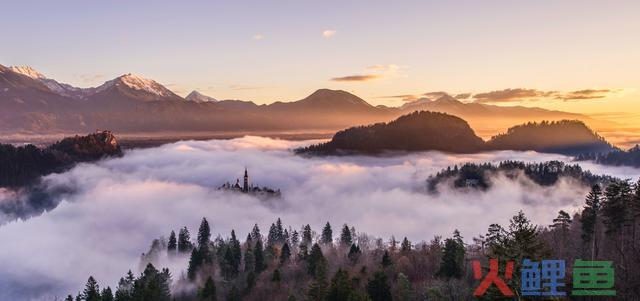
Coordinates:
308	265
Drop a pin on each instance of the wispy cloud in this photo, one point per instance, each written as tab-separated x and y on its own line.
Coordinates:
585	94
91	78
372	72
511	95
413	97
462	96
522	94
258	36
329	33
356	78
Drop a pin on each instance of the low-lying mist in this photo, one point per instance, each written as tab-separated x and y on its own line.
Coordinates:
115	208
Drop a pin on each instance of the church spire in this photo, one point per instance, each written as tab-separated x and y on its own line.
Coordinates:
245	187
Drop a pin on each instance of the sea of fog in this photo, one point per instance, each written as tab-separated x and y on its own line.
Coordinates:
120	205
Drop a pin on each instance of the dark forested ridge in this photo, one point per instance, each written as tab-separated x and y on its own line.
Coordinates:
343	264
630	157
425	131
480	176
569	137
24	165
418	131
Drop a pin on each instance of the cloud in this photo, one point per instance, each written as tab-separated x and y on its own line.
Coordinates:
511	95
584	94
328	33
521	94
434	95
258	36
462	96
379	71
403	97
119	205
91	78
356	78
414	97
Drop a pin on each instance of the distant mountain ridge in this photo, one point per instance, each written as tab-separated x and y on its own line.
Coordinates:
431	131
33	103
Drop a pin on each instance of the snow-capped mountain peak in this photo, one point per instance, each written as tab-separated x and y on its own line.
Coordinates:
196	96
53	85
138	83
27	71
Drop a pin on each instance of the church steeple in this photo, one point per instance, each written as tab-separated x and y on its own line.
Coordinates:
245	187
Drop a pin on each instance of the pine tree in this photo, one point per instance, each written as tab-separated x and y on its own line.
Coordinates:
172	245
107	294
318	287
327	235
354	253
249	260
125	288
251	281
91	290
255	233
184	240
562	222
204	234
153	285
306	235
450	266
249	241
303	252
195	261
208	291
272	237
405	246
616	207
345	236
341	287
258	255
69	298
285	254
316	259
386	259
378	288
280	237
236	253
295	239
227	265
589	220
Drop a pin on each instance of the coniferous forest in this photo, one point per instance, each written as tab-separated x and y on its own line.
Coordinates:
629	157
340	263
480	176
24	165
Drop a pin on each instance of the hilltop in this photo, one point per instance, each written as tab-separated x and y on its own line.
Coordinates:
418	131
24	165
432	131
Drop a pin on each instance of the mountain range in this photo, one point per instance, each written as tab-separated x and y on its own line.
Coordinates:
35	104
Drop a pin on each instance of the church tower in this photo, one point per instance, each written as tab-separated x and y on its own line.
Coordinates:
245	187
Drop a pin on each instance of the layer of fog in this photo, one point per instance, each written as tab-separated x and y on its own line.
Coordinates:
120	205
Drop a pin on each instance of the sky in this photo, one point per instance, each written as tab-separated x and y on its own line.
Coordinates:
267	51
